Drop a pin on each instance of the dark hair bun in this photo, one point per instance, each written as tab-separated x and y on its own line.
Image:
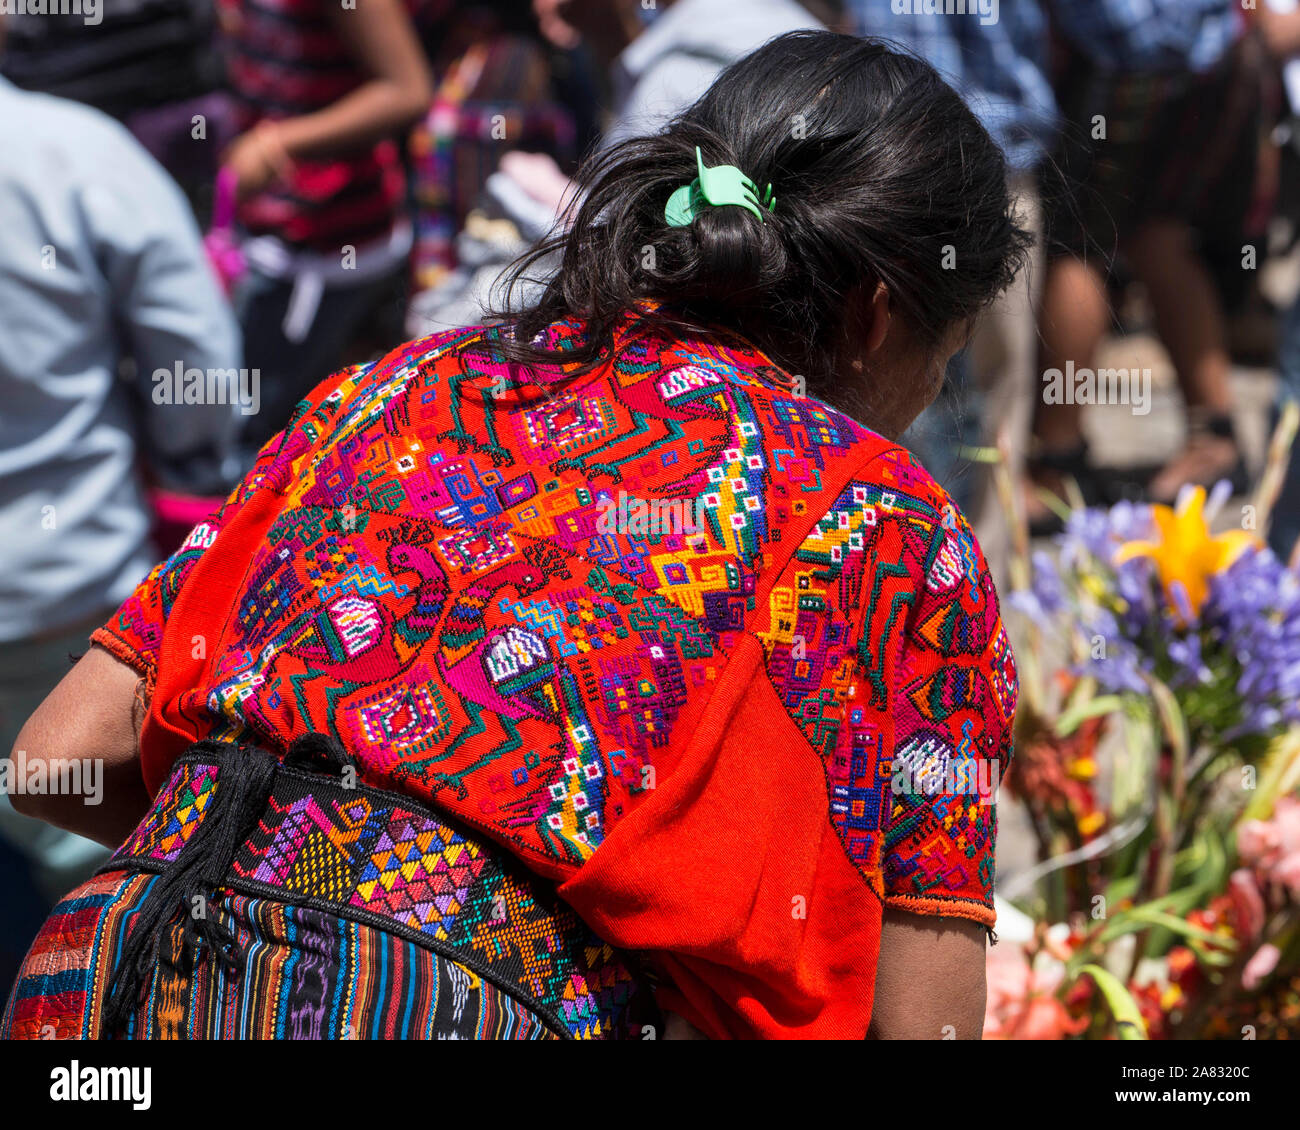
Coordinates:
881	174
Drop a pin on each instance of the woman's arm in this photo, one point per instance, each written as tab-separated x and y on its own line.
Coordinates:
400	89
930	979
94	715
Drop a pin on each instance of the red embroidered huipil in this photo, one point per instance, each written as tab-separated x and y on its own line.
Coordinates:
723	664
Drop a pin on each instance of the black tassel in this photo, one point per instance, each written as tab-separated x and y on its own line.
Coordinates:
319	750
243	784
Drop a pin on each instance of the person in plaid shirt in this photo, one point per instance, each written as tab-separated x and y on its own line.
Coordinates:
1150	35
1163	101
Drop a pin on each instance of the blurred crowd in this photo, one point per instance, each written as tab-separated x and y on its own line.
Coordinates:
210	205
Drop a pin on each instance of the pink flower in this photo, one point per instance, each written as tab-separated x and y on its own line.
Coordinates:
1262	843
1010	979
1286	815
1256	842
1045	1018
1247	903
1261	964
1287	872
1020	1003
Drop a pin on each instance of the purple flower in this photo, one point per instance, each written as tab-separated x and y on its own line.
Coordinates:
1046	595
1240	657
1253	614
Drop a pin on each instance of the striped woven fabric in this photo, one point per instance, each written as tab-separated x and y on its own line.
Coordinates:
306	975
356	914
285	59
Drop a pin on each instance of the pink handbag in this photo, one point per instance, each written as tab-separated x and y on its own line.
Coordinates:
175	515
221	242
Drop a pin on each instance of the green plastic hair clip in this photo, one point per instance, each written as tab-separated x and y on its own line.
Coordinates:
720	186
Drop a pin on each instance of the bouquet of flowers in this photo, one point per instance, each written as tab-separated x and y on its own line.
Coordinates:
1157	762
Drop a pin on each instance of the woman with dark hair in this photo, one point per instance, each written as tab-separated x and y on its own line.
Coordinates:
608	661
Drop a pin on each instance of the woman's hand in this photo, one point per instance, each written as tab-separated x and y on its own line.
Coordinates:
678	1028
398	90
257	158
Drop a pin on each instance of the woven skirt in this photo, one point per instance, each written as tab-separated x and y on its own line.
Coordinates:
315	907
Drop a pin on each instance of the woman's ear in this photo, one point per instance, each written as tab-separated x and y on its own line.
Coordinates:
865	327
879	319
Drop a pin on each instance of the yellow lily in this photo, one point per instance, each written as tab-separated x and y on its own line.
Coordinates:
1186	551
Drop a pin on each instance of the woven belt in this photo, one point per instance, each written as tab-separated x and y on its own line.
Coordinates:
383	860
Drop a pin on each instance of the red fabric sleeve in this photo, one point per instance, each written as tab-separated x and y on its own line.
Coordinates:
955	704
134	633
886	649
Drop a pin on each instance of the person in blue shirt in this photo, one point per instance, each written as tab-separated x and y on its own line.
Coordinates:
100	265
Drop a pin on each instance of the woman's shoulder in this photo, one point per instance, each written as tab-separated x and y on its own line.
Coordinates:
872	514
833	465
794	469
905	484
348	401
814	449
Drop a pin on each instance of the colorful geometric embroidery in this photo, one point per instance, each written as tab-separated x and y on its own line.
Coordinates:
445	563
367	855
306	974
184	799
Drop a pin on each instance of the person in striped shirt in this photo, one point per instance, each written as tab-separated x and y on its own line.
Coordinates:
323	90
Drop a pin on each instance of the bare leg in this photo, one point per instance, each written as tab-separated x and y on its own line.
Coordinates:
1075	317
1189	318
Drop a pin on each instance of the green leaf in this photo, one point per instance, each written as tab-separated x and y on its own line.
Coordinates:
1216	958
1139	917
1128	1018
1172	721
1278	775
1077	715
